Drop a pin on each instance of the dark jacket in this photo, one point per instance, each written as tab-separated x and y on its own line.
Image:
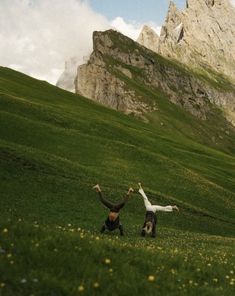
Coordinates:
150	217
111	225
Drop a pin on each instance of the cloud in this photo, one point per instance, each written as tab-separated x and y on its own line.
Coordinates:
38	36
132	29
232	2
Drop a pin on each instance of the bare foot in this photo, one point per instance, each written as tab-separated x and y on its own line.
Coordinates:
140	185
176	208
97	188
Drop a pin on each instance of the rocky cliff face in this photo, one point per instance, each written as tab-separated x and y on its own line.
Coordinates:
201	35
95	82
96	79
116	60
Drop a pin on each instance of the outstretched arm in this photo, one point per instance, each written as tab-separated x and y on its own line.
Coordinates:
105	202
121	204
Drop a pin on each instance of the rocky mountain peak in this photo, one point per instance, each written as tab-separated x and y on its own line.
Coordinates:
202	35
208	3
149	38
173	13
173	25
102	42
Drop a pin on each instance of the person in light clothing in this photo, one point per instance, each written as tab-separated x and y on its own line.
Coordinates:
150	222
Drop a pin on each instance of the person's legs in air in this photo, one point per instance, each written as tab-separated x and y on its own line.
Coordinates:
105	202
147	203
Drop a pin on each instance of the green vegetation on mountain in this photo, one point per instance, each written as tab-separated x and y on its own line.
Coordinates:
156	81
54	146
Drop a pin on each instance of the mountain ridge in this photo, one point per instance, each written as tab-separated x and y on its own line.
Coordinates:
194	84
115	56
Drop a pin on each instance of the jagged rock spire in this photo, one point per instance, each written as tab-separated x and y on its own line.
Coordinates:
202	34
172	29
148	38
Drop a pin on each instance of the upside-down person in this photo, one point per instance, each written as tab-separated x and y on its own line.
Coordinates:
113	222
150	222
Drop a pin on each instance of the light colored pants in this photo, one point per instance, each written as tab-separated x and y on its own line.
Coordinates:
153	208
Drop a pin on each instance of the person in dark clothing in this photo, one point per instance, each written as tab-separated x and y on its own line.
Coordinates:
150	222
113	222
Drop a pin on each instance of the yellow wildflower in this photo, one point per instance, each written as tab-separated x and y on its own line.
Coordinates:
107	261
81	288
151	278
96	285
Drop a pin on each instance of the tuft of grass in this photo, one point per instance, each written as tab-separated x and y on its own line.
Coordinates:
66	259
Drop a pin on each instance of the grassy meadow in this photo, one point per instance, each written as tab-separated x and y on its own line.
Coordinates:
54	146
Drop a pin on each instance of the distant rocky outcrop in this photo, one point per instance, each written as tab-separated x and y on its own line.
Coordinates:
66	80
149	38
96	80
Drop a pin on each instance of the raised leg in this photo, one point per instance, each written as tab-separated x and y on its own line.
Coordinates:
105	202
147	203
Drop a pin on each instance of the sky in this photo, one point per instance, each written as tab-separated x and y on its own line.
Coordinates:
137	10
38	36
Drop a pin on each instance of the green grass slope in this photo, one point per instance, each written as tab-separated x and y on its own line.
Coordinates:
55	145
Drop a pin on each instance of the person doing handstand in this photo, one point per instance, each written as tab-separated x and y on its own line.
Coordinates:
113	222
150	216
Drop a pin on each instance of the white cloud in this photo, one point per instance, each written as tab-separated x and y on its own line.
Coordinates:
38	36
232	2
132	29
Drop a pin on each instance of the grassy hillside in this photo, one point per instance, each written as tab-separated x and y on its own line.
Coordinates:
54	146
